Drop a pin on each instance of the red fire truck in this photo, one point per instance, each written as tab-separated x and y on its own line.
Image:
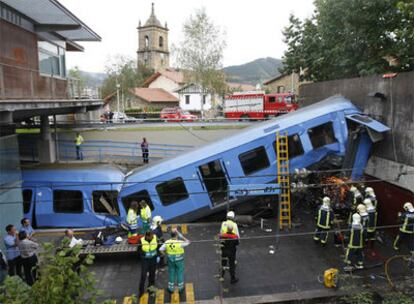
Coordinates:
253	105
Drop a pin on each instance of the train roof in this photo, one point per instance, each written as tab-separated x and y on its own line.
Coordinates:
329	105
72	173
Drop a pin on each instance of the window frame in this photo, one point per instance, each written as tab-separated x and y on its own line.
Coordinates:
187	99
332	132
263	151
181	195
126	200
289	148
114	200
27	203
68	212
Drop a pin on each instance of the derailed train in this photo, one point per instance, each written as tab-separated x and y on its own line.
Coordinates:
194	184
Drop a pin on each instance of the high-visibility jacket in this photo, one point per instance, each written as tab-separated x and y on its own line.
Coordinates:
325	217
407	219
132	218
229	223
146	214
372	220
356	238
79	140
149	249
174	249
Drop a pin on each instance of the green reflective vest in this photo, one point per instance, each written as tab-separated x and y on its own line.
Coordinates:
174	250
145	214
149	249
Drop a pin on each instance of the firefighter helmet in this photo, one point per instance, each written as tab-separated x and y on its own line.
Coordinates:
408	207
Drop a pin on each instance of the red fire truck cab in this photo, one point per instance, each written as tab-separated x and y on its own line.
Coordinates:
258	105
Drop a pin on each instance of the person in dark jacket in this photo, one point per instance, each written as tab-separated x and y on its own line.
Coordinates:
145	150
156	228
229	243
324	221
148	251
354	253
406	233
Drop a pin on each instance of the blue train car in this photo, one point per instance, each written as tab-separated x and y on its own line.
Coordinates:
72	196
194	184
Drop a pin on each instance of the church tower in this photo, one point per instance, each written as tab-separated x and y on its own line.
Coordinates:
153	49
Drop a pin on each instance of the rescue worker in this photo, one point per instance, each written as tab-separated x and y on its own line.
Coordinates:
372	221
229	243
369	193
132	219
406	232
145	215
148	249
355	200
78	142
354	252
324	221
174	249
157	230
230	222
362	211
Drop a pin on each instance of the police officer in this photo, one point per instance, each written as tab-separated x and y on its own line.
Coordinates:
148	249
145	215
229	243
369	193
230	222
324	221
372	220
354	252
406	232
132	219
174	248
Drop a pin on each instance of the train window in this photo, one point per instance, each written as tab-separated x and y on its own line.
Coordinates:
322	135
254	160
272	98
67	201
27	200
295	147
172	191
137	196
105	202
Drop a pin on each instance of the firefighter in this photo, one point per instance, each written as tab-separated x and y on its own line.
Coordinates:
354	252
355	199
148	251
230	222
369	193
372	221
145	215
324	221
406	232
132	219
362	211
174	248
228	244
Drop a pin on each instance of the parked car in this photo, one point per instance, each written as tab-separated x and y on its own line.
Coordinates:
120	117
177	114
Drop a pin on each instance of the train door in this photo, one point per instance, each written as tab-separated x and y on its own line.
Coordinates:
214	178
42	208
28	204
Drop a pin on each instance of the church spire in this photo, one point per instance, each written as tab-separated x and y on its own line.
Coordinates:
152	9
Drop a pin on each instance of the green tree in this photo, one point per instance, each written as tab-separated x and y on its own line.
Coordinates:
75	73
200	53
62	278
124	71
351	38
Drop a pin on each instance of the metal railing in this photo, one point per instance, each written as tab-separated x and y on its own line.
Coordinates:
103	150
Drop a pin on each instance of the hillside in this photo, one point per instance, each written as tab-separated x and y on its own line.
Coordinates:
255	71
93	80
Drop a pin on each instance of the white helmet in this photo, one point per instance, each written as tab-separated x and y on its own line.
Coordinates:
231	215
408	207
361	208
369	191
353	189
356	218
157	220
118	240
326	200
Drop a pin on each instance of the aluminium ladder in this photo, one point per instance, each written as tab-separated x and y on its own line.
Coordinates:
283	180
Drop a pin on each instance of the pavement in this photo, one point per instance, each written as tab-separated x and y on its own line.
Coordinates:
292	272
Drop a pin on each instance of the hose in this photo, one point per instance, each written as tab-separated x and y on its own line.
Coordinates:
386	267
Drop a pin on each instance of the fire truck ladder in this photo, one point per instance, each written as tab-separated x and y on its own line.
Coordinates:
283	180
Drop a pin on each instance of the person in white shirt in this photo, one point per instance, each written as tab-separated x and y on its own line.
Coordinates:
73	241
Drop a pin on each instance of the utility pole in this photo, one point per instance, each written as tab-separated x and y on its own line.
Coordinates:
117	94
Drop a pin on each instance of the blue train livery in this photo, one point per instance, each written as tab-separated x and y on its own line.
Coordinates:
195	184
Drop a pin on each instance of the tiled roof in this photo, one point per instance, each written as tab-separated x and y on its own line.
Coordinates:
173	74
241	86
154	95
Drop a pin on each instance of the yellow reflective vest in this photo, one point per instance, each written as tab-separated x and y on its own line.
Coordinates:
227	224
145	214
132	218
79	140
173	247
149	249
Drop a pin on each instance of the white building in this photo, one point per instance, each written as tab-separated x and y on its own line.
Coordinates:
168	79
193	98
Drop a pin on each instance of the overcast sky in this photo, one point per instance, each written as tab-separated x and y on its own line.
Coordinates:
253	27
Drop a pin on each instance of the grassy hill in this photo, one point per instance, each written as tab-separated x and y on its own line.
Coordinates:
255	71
